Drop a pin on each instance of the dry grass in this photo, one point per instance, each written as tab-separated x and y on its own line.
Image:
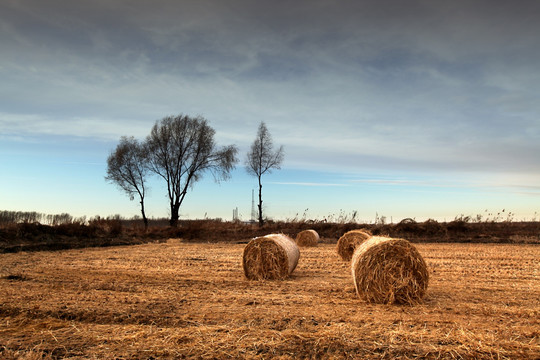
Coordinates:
177	300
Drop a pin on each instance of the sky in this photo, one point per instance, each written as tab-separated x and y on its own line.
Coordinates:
420	109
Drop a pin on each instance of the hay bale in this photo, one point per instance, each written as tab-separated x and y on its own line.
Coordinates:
307	238
349	241
387	271
273	256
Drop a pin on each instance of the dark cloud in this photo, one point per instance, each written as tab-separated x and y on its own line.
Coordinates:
418	84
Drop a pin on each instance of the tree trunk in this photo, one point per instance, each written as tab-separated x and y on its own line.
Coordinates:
145	220
174	215
261	221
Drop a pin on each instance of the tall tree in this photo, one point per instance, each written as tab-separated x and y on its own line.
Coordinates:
261	159
182	150
127	167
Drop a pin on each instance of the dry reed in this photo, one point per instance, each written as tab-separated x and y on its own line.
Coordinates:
349	241
387	271
307	238
273	256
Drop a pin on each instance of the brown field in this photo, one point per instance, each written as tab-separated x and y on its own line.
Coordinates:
182	300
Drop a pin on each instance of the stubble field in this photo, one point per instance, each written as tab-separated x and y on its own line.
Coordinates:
180	300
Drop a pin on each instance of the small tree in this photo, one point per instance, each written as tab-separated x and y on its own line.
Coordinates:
262	159
127	168
181	149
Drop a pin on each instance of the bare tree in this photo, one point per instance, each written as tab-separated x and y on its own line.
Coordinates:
262	159
127	167
181	150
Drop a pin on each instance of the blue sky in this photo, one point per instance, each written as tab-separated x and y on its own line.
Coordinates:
403	109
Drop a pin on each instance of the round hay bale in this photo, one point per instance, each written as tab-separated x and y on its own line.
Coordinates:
349	241
307	238
273	256
387	271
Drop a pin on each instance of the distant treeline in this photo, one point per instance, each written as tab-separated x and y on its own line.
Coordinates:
17	217
33	217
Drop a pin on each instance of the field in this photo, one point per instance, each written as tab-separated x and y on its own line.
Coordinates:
191	300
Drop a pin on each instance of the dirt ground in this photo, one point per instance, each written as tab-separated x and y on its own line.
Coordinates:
180	300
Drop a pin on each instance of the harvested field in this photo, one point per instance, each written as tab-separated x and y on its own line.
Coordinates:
179	300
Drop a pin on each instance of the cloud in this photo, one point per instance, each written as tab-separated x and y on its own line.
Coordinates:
309	184
502	185
350	85
32	126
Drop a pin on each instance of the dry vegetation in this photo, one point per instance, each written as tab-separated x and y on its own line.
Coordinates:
113	231
181	300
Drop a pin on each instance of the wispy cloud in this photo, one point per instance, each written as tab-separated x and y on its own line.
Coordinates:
504	185
396	182
309	184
